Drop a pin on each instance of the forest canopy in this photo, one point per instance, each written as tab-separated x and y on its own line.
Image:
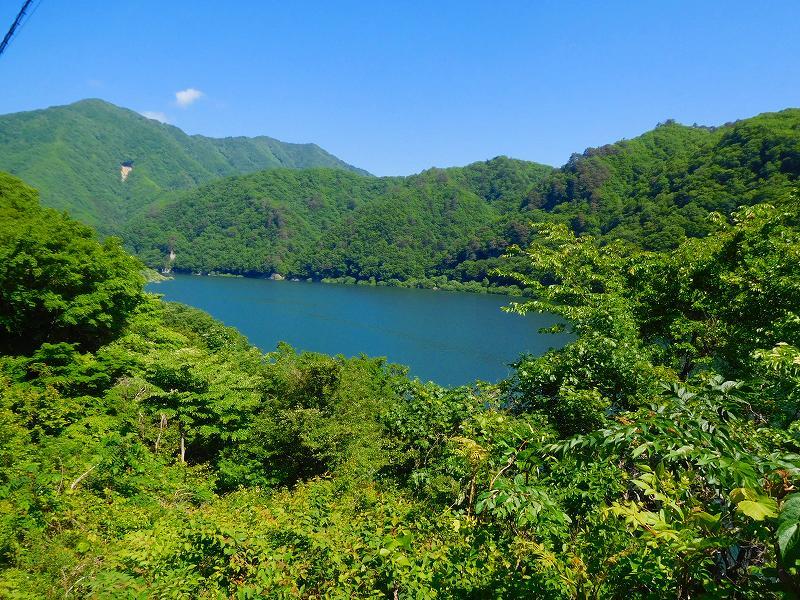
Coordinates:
58	283
72	154
148	451
453	225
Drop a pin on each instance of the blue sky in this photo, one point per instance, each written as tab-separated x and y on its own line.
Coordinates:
397	87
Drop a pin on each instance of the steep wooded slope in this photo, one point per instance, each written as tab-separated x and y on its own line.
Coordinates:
73	154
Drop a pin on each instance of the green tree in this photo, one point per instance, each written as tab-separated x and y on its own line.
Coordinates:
57	282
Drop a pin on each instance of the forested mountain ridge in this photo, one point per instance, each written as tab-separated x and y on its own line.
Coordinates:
325	223
659	187
442	224
654	191
73	154
147	451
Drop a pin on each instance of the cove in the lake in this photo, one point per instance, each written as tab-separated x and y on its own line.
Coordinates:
452	338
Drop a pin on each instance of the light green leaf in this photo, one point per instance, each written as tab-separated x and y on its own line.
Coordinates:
639	450
759	510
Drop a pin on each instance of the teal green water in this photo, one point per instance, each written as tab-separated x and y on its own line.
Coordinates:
451	338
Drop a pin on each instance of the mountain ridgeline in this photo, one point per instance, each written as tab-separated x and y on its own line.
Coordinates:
653	191
257	206
74	154
658	188
325	223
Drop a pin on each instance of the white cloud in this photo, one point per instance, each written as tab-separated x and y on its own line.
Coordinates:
186	97
155	115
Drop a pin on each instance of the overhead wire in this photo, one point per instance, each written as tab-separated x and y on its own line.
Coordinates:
18	24
28	16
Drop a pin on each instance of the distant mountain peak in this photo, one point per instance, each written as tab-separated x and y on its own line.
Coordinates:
75	154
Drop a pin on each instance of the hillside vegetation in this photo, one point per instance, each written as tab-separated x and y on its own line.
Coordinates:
147	451
325	223
659	187
453	224
73	155
309	215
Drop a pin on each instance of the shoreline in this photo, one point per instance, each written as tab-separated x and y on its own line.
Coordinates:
434	284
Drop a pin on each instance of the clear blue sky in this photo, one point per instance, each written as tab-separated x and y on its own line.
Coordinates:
396	87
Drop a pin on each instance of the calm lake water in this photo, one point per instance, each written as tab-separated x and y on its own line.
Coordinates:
451	338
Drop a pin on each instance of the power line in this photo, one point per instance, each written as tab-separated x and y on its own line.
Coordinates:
28	16
14	26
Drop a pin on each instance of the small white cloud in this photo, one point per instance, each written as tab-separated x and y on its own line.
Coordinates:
155	115
186	97
95	83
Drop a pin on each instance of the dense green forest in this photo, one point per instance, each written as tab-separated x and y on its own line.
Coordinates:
452	225
148	451
73	155
309	215
324	223
658	188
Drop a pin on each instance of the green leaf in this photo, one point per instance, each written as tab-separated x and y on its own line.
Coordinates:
788	534
639	450
708	520
739	494
758	510
402	561
790	510
789	542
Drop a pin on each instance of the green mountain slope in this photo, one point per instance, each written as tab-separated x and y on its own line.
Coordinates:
328	223
654	191
427	224
73	154
658	188
250	223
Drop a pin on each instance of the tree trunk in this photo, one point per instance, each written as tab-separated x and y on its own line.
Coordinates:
84	474
161	427
471	493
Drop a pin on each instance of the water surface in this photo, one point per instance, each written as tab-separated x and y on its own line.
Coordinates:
448	337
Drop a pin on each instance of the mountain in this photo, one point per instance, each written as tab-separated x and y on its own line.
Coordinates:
101	162
328	223
658	188
257	206
654	191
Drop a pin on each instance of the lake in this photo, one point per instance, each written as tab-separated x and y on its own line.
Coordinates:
451	338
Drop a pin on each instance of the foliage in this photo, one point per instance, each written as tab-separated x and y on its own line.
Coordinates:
452	225
644	317
323	224
73	154
149	451
444	225
57	283
658	188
